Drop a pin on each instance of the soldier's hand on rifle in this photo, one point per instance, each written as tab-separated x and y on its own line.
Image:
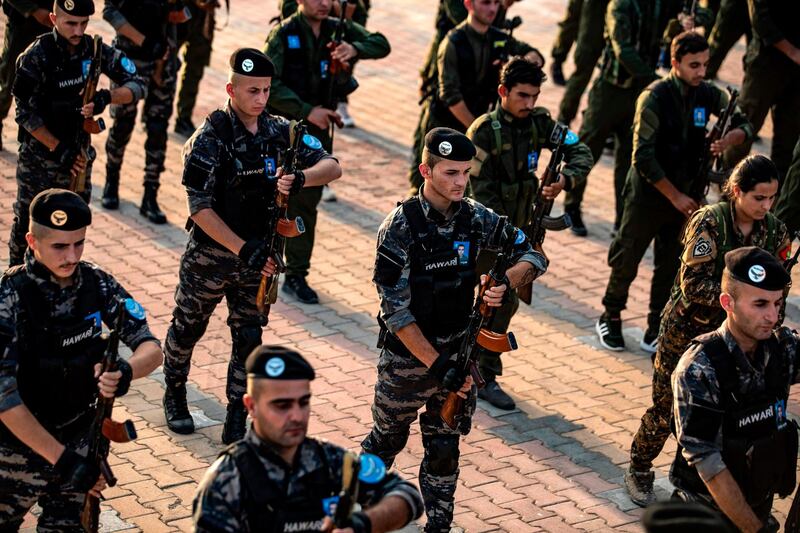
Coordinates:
336	10
732	138
98	488
98	104
357	523
254	254
494	295
75	469
535	57
344	52
291	184
79	165
322	117
551	191
445	371
114	384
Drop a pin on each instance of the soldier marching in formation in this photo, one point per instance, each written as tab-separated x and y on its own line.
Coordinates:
722	366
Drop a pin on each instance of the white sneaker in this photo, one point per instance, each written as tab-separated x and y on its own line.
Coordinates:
347	120
328	195
649	343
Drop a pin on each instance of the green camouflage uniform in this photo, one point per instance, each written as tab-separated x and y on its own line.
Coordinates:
504	177
448	88
405	385
732	22
648	215
634	34
195	38
787	208
693	308
288	8
222	501
285	100
567	31
26	478
771	80
21	30
588	48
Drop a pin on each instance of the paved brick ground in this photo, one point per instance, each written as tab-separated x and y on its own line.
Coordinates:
555	464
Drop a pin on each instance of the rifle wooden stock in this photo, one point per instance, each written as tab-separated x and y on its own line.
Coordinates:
179	16
496	342
93	127
77	183
290	228
119	431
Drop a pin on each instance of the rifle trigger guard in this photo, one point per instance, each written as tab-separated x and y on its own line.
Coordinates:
559	223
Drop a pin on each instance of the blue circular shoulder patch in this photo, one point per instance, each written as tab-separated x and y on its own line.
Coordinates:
312	142
134	308
520	237
128	65
571	138
372	470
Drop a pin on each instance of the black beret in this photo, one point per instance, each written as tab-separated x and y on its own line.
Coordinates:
252	62
60	209
691	517
756	267
77	8
278	362
449	144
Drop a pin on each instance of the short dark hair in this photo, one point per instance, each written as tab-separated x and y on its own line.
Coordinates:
688	42
751	171
430	159
519	70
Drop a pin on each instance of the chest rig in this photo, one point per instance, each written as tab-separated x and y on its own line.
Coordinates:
759	445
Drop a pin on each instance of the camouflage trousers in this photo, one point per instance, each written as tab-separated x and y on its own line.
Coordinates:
26	478
403	387
195	38
161	83
207	273
675	334
36	173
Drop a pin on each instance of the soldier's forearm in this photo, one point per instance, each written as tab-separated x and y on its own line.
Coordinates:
462	113
127	30
417	344
44	136
121	95
210	222
323	173
729	497
146	358
21	422
521	274
390	514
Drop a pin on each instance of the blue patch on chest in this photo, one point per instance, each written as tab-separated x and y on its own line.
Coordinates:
699	116
293	41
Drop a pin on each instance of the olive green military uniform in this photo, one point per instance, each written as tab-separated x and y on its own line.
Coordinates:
787	208
771	80
634	32
694	309
732	22
288	8
567	31
195	39
588	49
450	87
504	178
298	86
659	153
21	30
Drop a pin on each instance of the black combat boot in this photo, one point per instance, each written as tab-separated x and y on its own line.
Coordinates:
149	208
184	127
557	73
176	411
111	190
234	427
298	287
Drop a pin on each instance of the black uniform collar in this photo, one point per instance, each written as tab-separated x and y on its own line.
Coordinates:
269	452
42	275
435	216
239	129
759	360
66	46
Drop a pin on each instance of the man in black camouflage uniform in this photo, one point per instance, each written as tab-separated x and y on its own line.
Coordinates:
427	291
52	311
737	449
230	177
147	34
48	86
253	484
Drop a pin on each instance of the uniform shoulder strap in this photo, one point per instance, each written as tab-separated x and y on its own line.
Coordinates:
494	116
412	210
723	217
772	231
720	357
222	126
260	491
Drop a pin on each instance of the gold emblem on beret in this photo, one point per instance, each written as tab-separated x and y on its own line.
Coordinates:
59	217
69	5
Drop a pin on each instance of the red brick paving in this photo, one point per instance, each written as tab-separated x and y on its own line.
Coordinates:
553	465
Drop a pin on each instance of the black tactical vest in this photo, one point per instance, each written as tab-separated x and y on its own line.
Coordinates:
478	94
759	444
61	93
244	194
148	17
681	161
296	66
442	279
55	374
268	508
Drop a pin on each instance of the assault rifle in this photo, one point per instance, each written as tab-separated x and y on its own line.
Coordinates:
363	467
541	221
790	262
717	174
476	336
340	80
90	125
280	229
103	428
